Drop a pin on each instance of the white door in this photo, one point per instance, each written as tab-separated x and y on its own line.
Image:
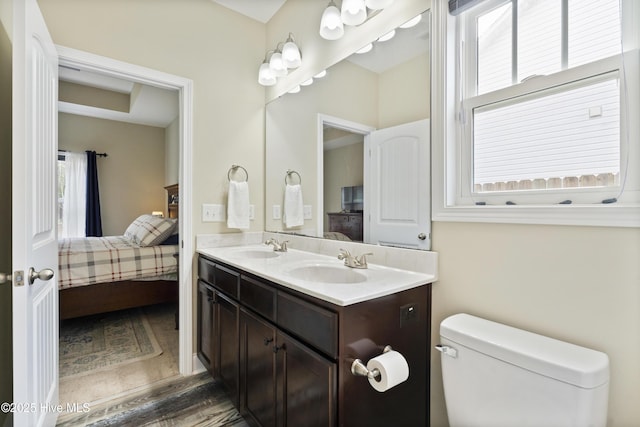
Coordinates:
34	245
399	187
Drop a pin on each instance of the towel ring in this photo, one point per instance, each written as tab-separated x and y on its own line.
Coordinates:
288	175
233	168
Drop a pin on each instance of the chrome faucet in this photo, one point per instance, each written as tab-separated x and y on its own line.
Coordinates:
277	246
353	261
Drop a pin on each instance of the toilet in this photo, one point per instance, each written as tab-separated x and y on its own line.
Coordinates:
495	375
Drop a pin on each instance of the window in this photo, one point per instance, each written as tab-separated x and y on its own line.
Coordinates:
72	194
534	102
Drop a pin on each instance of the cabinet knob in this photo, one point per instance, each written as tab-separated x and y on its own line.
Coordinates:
278	348
267	341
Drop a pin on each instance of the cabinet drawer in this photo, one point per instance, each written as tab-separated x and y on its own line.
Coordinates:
259	297
227	280
314	325
206	270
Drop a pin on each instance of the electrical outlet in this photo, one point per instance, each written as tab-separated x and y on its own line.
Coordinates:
213	213
276	212
408	314
306	212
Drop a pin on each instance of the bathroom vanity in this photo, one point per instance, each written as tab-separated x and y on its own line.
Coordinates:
281	331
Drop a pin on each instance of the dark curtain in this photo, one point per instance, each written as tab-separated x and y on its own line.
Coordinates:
93	225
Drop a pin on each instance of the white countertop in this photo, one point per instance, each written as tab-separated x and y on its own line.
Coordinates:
294	269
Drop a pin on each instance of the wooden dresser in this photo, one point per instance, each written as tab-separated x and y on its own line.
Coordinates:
349	224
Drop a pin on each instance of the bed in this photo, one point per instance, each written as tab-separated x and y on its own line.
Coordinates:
103	274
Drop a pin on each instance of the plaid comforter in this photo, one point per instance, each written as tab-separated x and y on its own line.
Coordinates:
90	260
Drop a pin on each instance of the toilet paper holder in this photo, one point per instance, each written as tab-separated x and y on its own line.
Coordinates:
359	369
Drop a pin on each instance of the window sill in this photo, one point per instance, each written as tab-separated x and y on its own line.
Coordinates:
580	215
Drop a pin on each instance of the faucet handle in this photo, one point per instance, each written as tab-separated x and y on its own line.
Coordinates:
344	254
362	259
283	246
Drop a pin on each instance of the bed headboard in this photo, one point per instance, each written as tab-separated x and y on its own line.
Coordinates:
173	200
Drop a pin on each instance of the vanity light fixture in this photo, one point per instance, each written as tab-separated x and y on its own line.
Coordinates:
391	34
320	75
278	62
331	26
291	53
295	89
365	49
412	22
352	12
307	82
265	76
378	4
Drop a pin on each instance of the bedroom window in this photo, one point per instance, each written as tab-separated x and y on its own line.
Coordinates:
72	194
541	103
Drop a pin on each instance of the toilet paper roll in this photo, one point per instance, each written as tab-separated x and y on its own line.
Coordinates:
393	369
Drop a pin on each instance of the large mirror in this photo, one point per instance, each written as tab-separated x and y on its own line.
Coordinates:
354	146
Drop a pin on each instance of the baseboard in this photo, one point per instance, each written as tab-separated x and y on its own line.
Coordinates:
198	367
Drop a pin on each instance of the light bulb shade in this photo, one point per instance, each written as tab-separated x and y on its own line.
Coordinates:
378	4
320	75
291	54
277	66
391	34
365	49
353	12
412	22
265	76
307	82
331	27
295	89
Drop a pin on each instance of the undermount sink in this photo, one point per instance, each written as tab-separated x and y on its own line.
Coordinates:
255	254
327	274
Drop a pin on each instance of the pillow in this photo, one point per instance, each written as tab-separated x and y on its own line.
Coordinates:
149	230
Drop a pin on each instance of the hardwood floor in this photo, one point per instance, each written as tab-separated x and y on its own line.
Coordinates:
197	400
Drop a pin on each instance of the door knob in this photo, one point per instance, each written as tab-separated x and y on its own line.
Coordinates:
44	274
422	236
4	278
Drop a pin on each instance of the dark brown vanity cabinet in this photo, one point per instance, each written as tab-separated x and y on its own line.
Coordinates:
285	382
285	357
218	326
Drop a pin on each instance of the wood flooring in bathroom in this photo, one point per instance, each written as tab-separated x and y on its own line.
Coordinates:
182	401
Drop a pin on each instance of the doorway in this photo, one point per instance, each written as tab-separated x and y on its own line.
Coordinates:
144	76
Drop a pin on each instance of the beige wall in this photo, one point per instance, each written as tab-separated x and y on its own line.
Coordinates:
217	48
6	369
577	284
404	93
172	153
132	177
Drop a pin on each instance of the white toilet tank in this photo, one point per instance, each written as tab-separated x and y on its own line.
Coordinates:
496	375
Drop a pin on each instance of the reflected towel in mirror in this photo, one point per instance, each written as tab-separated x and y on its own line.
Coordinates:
293	208
238	205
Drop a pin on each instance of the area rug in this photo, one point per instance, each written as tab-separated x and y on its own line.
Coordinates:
93	343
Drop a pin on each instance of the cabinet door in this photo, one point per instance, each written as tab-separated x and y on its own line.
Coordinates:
258	370
227	344
307	386
206	326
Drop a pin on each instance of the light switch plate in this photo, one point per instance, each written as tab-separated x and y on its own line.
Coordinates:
276	212
306	212
252	212
213	213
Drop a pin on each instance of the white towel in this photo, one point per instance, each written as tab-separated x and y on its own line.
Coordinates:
238	205
293	209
